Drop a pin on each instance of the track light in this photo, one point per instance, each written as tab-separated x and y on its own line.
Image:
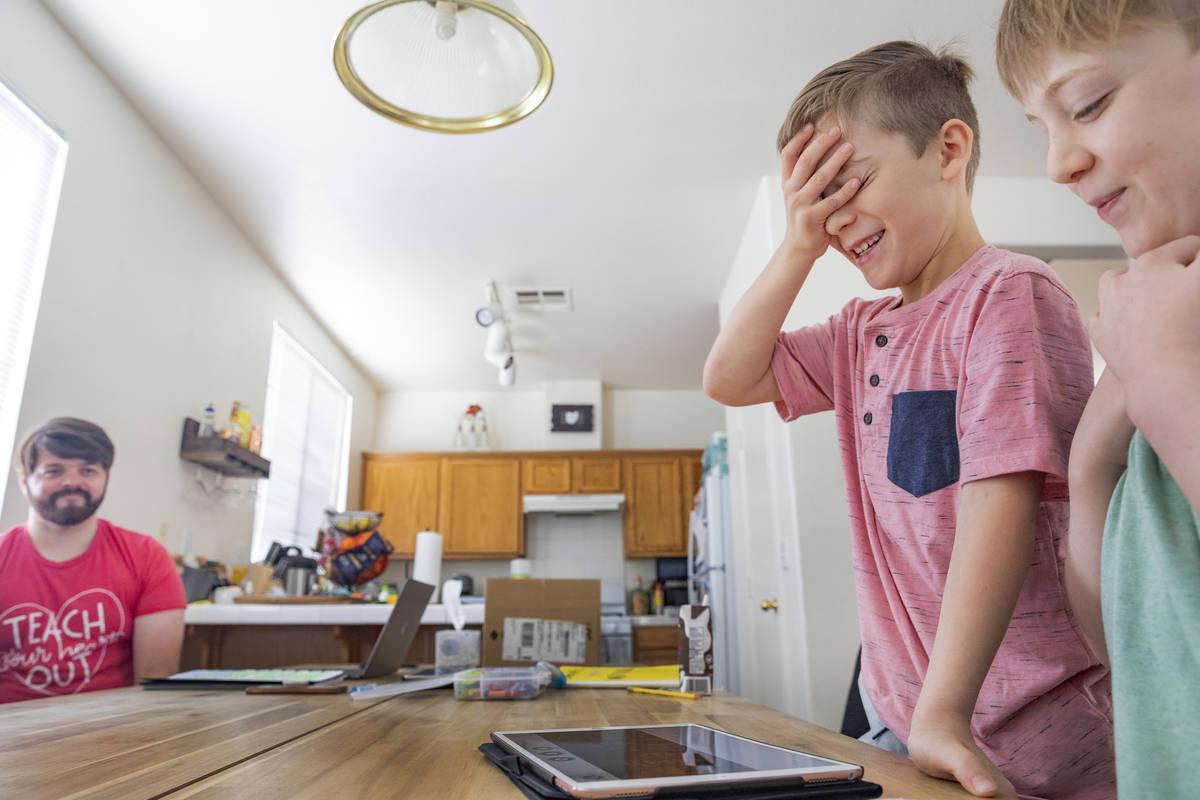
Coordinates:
498	349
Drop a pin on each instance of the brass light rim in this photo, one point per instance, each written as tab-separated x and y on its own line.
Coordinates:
414	119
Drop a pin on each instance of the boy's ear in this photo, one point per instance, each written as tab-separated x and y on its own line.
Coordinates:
955	141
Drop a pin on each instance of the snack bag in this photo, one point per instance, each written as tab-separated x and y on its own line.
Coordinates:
359	558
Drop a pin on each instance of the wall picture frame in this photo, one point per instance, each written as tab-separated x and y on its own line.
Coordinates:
571	418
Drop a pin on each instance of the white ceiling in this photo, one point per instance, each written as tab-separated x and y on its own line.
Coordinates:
630	186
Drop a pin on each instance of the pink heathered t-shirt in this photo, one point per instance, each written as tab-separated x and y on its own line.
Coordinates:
985	376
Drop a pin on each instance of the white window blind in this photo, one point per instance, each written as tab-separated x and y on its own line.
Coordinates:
33	157
306	437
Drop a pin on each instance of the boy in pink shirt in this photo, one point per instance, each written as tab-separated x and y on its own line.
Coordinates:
955	404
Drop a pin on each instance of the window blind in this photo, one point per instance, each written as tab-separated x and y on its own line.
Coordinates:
33	157
306	437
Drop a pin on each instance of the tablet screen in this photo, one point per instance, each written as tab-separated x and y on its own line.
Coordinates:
657	752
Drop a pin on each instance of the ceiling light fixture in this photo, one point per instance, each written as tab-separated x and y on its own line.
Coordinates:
453	67
498	349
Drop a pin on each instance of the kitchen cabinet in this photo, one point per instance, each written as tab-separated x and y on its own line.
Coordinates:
405	491
545	475
479	508
692	473
474	499
655	644
596	475
654	507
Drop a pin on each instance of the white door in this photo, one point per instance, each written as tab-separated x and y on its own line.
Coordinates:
770	622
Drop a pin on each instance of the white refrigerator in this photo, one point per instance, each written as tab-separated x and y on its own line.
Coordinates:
710	561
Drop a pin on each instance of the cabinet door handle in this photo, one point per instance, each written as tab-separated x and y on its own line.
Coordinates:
771	605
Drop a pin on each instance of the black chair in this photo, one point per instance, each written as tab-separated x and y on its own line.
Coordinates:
854	718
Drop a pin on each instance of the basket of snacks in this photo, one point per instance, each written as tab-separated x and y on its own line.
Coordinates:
351	549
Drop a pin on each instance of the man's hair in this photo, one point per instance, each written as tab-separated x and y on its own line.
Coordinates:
66	437
1031	29
898	87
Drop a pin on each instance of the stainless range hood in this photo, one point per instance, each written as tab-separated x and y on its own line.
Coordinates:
572	503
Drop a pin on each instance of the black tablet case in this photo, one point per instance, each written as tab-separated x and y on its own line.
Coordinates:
535	787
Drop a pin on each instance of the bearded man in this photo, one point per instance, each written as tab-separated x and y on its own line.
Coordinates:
84	604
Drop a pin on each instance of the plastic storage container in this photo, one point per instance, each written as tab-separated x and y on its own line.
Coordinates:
500	683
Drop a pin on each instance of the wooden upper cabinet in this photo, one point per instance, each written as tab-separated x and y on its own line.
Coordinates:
545	475
654	507
479	513
405	491
692	472
596	475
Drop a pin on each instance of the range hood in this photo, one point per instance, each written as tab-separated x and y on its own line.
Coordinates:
572	503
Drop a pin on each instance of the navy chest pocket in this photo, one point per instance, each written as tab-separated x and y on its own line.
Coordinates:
923	441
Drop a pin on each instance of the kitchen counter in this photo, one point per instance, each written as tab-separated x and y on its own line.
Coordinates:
348	614
315	614
653	620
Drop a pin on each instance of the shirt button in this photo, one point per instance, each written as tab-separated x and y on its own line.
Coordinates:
881	340
867	418
874	380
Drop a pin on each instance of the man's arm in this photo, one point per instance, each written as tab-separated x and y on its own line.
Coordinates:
1147	331
1098	454
738	369
157	640
993	545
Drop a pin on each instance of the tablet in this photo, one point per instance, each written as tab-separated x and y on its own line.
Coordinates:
658	760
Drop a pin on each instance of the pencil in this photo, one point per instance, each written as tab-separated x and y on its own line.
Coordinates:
665	693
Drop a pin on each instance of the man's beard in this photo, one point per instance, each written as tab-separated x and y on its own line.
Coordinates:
49	510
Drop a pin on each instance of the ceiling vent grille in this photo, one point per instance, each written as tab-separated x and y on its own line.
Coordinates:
542	300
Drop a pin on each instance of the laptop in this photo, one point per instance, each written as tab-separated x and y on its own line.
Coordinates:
398	633
386	656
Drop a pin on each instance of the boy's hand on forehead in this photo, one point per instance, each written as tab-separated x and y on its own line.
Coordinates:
1149	312
811	161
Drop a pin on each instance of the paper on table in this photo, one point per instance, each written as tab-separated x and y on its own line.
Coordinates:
399	687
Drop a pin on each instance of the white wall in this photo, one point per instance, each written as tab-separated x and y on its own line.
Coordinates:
517	419
154	303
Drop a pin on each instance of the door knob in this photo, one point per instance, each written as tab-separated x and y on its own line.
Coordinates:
771	605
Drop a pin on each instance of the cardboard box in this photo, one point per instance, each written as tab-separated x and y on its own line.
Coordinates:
554	619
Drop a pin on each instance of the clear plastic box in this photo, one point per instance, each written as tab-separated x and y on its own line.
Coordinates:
500	683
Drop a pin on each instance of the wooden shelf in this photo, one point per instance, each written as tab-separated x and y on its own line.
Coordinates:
221	455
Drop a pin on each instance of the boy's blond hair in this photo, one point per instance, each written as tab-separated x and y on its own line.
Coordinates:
1030	29
898	87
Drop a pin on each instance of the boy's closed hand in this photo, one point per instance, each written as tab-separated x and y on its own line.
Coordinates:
808	169
947	750
1149	311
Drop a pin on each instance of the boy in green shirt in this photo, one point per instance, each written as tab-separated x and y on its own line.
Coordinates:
1115	86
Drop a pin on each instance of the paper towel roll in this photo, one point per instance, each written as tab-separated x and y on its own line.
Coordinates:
427	561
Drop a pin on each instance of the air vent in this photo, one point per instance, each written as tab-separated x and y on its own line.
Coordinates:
542	299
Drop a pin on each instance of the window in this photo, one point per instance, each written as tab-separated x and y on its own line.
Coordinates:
32	158
306	437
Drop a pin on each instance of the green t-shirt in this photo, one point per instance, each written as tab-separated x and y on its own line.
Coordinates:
1150	572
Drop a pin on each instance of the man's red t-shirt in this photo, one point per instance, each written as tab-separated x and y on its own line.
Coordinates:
67	627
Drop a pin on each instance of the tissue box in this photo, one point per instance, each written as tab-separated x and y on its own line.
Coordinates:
455	650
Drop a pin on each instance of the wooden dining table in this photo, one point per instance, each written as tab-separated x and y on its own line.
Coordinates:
134	743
